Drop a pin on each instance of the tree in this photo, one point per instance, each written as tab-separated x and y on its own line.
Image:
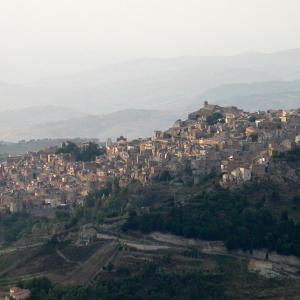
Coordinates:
87	153
214	118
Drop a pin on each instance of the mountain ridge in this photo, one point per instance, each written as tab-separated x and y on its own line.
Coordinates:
133	123
266	95
152	83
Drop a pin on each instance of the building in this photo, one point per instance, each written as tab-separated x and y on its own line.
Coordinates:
18	293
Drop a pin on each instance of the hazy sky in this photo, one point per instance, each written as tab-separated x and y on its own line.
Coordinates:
40	38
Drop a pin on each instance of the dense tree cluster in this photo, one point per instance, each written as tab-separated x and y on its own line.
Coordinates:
226	216
110	201
43	289
16	226
149	283
152	283
87	153
290	156
214	118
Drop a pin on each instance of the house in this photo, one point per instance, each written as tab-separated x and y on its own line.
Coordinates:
87	234
237	176
18	293
16	206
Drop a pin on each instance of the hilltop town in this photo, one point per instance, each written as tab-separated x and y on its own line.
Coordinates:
183	203
235	146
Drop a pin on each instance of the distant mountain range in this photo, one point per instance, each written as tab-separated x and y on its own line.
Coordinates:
264	95
31	116
23	147
99	103
151	83
131	123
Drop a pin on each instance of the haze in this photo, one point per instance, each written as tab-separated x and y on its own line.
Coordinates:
50	38
99	69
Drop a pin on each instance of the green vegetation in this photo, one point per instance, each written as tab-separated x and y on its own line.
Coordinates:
87	153
112	201
252	119
153	283
148	283
163	176
16	226
290	156
243	219
238	218
105	202
43	289
50	246
227	216
215	118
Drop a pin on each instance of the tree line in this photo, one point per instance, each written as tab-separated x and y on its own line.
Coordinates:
226	216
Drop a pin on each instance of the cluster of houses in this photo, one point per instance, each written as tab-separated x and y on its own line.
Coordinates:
236	145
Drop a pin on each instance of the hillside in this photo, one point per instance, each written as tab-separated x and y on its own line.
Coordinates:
137	265
183	232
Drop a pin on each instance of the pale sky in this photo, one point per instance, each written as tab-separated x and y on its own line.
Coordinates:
41	38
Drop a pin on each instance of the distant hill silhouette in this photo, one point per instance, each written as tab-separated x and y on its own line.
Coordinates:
258	95
131	123
152	83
